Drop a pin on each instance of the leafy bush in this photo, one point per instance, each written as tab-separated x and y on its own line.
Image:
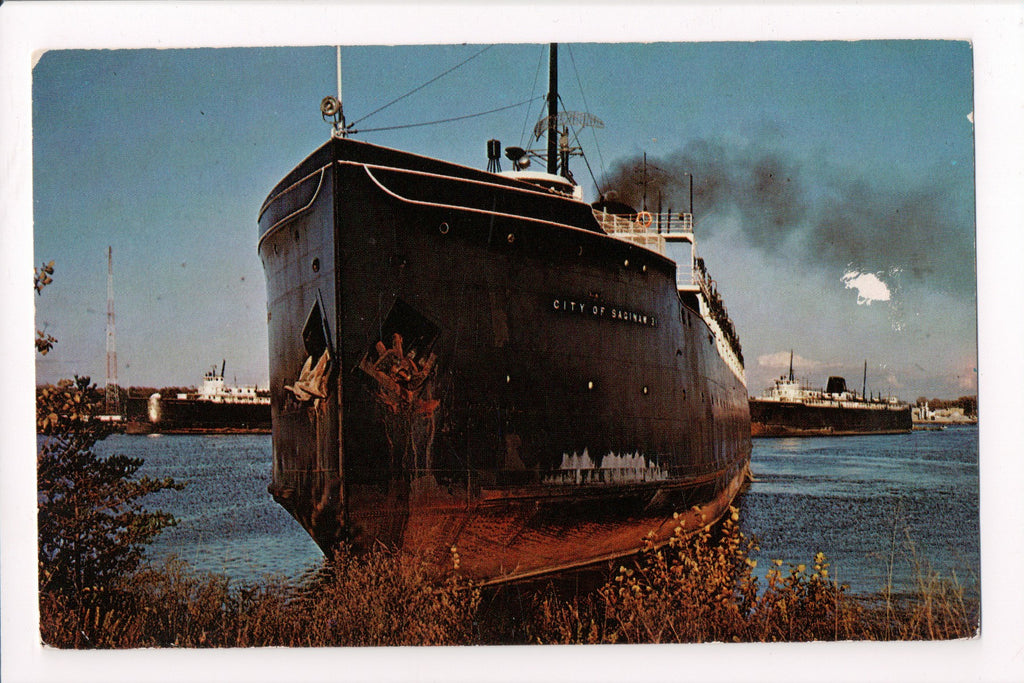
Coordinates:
92	528
701	587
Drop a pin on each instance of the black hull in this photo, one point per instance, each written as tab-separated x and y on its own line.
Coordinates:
179	416
781	418
557	400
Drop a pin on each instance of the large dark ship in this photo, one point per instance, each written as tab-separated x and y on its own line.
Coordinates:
791	408
482	361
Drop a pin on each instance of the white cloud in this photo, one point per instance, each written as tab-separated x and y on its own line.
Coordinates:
869	287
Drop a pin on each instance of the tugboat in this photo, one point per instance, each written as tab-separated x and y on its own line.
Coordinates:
481	360
791	408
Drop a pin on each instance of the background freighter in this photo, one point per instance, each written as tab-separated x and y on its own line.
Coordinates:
790	408
214	407
471	359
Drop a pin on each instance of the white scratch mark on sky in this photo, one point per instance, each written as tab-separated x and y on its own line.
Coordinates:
869	287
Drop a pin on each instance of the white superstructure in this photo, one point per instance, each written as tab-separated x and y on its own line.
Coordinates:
671	235
216	391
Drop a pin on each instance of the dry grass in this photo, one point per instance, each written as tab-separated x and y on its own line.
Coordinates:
376	599
697	588
702	588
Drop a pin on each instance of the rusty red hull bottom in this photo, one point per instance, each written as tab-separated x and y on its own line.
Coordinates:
527	533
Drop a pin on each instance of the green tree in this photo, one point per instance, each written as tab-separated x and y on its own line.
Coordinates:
92	525
969	405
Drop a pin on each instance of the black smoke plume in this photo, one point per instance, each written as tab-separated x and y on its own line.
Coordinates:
816	213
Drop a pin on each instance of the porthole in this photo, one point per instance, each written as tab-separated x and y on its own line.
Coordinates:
275	249
511	238
590	385
316	265
443	228
296	235
645	390
625	264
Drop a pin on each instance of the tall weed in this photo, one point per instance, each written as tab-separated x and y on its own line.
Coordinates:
701	586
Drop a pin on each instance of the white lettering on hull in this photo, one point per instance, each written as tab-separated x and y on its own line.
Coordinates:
601	311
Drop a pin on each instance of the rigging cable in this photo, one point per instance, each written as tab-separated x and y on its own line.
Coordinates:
435	78
448	120
586	161
533	91
586	107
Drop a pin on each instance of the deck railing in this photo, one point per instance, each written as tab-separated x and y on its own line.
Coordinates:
645	229
666	222
653	231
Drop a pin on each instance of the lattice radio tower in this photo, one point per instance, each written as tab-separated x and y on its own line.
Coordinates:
113	398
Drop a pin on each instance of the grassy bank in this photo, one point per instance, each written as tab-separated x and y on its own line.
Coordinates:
698	588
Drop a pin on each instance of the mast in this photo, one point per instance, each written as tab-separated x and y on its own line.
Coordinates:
337	57
112	403
553	109
645	182
691	197
864	386
791	365
330	106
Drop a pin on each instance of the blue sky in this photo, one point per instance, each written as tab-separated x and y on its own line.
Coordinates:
166	155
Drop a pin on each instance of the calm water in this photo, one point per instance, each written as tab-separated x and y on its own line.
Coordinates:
860	500
227	522
869	502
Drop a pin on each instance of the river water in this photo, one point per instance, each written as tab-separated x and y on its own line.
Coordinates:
879	507
872	504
